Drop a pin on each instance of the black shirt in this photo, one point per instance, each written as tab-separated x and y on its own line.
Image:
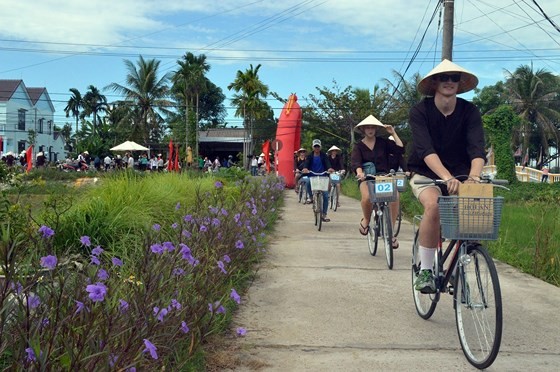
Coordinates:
380	155
456	139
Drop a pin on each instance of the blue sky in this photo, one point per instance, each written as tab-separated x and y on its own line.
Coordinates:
301	44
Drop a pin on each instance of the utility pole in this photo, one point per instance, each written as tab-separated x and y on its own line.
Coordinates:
447	48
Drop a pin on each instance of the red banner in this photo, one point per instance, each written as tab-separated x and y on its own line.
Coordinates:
170	158
29	158
266	152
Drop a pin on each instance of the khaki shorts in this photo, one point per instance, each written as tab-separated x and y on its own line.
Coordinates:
417	189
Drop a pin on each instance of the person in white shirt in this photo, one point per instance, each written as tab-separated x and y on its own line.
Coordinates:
107	162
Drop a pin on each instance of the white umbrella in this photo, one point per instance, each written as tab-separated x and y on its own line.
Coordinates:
129	146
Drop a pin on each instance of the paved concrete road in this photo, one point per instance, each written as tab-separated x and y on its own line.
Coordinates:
321	302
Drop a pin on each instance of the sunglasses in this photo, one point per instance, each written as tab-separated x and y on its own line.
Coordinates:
446	77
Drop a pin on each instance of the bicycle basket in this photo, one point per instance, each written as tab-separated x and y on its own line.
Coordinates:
470	218
401	182
383	189
335	178
320	183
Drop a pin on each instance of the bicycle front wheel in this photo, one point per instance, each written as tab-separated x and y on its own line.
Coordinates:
300	191
425	302
478	307
387	234
318	204
373	234
334	198
398	222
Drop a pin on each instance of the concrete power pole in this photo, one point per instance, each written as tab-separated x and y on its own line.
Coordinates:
447	48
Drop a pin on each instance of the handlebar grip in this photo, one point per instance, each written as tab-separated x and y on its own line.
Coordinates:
500	182
424	182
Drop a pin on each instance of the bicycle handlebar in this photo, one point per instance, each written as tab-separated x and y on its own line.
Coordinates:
496	182
317	174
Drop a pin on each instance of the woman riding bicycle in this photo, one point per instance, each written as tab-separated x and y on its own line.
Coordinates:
374	151
448	141
299	164
336	163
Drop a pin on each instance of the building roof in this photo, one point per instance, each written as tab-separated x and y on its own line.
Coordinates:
223	135
35	93
7	89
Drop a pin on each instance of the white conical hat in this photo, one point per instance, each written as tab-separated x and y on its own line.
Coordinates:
468	80
370	120
333	148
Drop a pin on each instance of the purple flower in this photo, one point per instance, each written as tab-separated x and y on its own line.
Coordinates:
175	226
157	248
221	310
221	266
102	274
226	258
97	291
160	313
46	231
235	296
237	217
175	304
218	184
213	210
239	244
224	212
186	234
188	218
184	327
168	246
156	227
33	301
178	271
151	348
79	307
203	228
97	250
123	305
85	241
254	211
215	222
49	262
17	287
95	260
178	206
241	331
116	261
30	355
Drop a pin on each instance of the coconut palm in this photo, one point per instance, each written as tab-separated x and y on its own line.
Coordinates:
147	95
250	91
74	105
189	82
94	103
533	95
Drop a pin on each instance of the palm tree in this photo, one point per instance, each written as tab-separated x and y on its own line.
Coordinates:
533	95
190	81
147	94
75	104
94	102
248	98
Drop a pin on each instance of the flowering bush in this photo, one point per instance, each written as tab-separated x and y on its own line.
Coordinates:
148	310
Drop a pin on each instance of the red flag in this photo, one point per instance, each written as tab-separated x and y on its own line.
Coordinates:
29	158
170	158
266	152
176	162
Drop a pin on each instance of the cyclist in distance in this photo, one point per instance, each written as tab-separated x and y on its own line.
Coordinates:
336	162
318	162
371	155
299	165
448	141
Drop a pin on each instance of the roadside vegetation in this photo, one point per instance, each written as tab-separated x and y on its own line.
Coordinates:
132	272
529	231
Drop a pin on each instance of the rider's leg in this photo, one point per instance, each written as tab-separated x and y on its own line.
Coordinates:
367	207
429	227
325	203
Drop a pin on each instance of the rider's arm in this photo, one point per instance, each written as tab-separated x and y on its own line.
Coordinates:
434	163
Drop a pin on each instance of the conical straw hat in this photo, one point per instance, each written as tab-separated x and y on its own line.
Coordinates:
468	80
333	148
370	120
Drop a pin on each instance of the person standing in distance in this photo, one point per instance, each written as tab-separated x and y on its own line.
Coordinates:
448	141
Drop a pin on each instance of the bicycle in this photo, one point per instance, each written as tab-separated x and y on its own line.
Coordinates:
319	184
382	191
401	187
333	189
466	271
301	188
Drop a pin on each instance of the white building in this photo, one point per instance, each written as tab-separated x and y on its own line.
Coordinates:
23	109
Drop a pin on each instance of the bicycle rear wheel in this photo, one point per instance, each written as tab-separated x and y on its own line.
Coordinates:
387	234
478	307
425	303
317	208
398	222
300	191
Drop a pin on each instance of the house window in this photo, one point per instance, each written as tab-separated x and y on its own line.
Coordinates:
21	119
49	127
41	123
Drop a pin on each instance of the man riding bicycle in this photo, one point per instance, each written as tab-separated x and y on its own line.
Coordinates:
448	141
318	162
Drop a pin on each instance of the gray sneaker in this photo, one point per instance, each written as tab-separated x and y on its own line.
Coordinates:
425	282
